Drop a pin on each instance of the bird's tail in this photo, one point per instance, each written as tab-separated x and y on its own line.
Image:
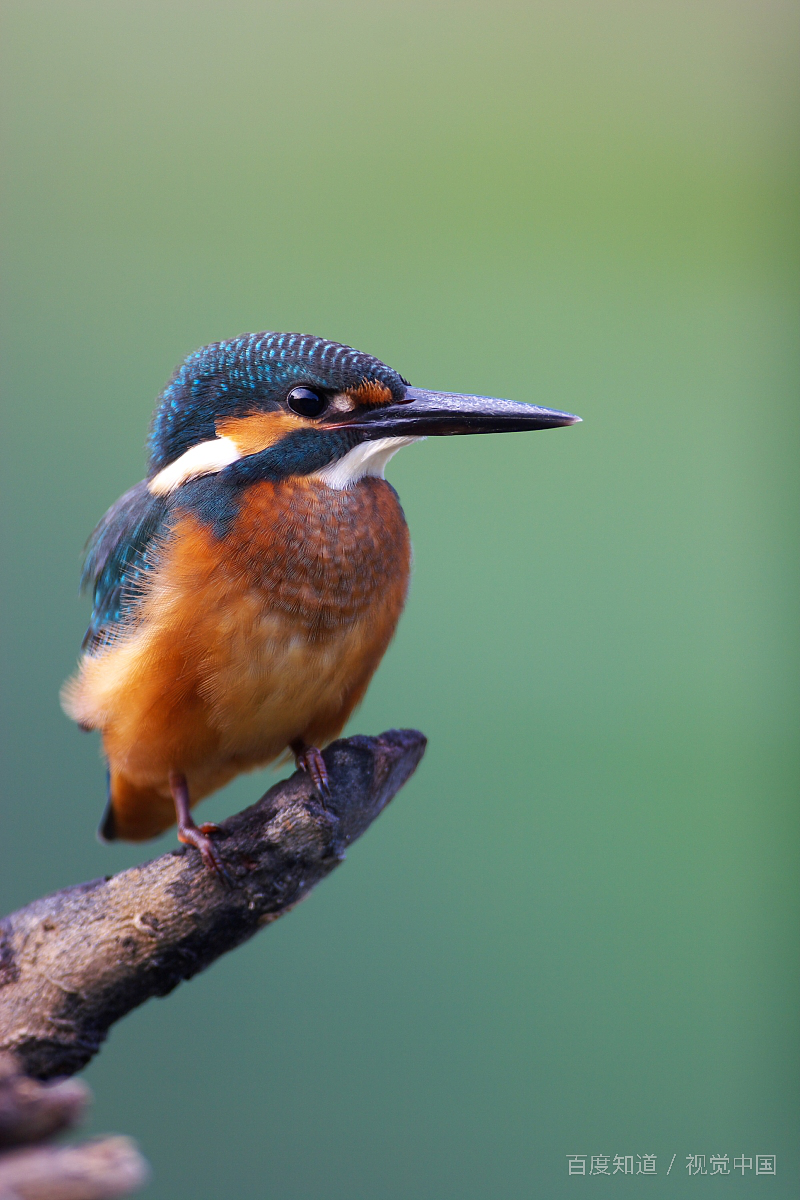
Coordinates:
134	813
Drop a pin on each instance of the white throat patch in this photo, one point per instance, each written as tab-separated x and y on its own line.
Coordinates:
207	458
367	458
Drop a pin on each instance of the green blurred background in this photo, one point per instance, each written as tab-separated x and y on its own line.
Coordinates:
575	930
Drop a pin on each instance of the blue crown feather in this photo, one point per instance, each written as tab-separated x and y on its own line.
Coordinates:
254	371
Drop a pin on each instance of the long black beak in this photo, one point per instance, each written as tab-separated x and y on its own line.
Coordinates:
422	413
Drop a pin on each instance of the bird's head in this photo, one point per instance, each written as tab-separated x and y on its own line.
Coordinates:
274	405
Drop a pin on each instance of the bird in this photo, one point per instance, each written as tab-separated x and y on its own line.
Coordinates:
245	591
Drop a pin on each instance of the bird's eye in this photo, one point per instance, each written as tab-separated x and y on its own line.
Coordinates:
306	402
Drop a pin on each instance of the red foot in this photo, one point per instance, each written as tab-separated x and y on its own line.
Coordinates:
197	836
194	835
310	760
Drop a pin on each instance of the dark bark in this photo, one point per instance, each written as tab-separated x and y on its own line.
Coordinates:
73	963
31	1112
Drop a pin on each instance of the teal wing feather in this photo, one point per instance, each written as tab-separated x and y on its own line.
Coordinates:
119	553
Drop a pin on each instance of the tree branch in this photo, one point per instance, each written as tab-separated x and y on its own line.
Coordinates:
30	1169
73	963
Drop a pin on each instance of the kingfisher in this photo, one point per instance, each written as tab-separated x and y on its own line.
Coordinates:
245	591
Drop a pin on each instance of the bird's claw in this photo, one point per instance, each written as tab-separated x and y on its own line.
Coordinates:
198	836
310	760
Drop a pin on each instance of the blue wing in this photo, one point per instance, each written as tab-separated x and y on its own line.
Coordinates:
118	554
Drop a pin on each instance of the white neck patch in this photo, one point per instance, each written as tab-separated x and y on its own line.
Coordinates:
206	458
367	458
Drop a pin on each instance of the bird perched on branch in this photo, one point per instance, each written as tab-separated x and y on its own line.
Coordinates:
246	590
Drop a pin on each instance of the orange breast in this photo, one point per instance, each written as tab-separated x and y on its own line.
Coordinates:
250	641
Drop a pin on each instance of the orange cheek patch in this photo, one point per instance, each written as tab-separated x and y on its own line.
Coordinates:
370	392
259	431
